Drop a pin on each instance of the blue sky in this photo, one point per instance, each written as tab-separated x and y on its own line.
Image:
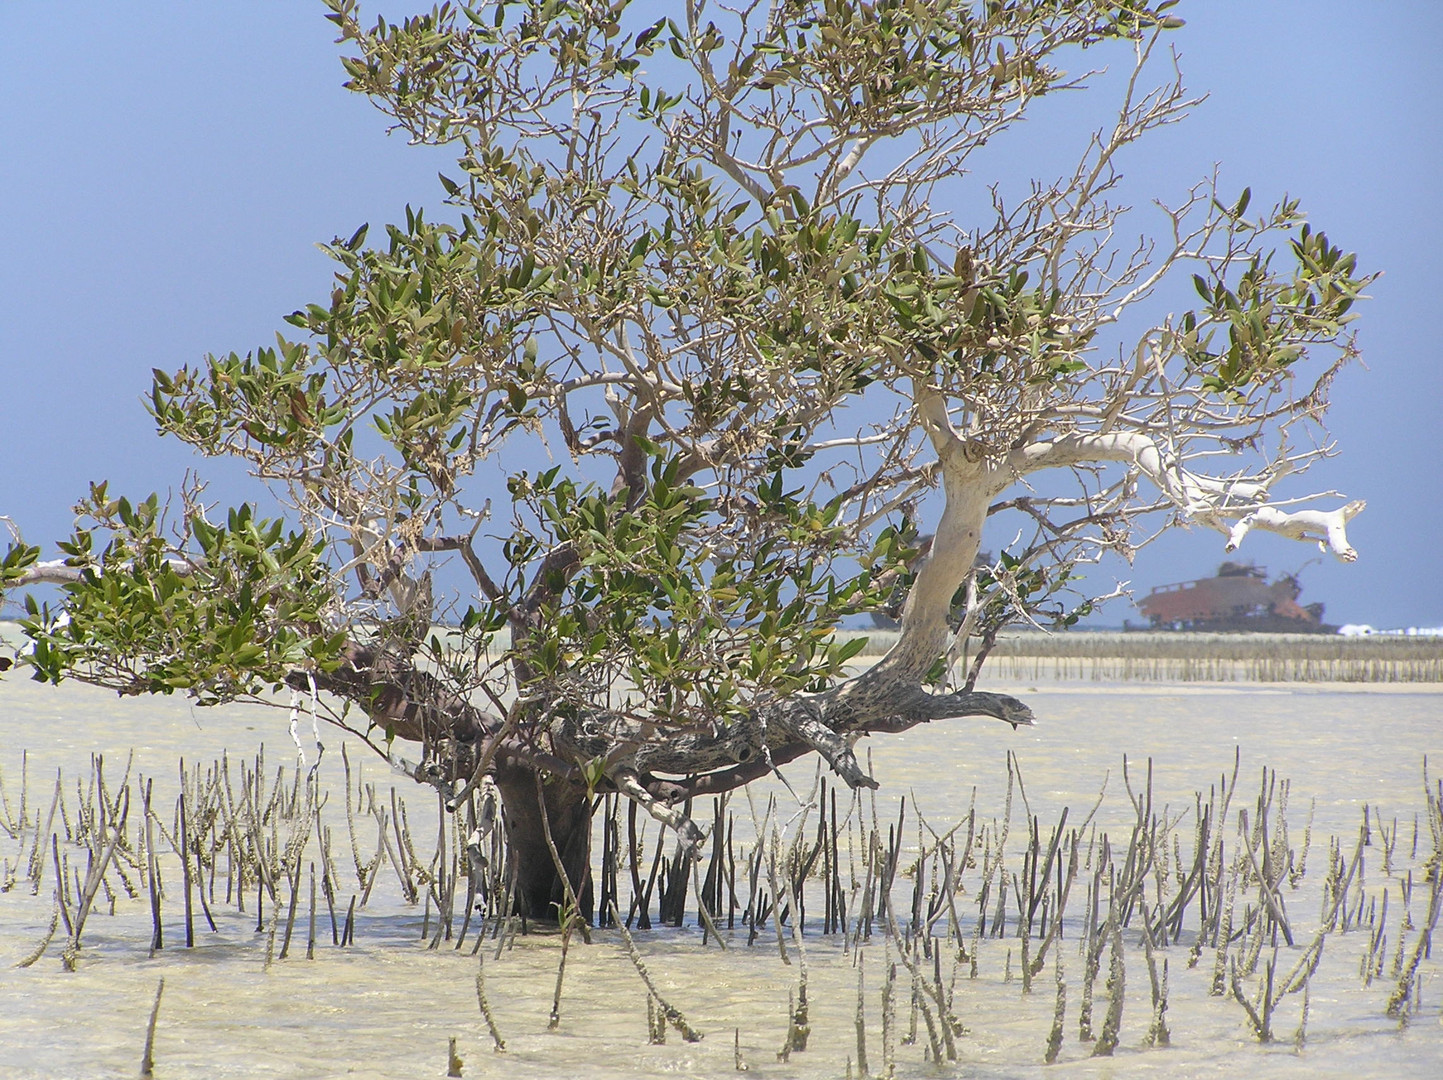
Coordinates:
166	170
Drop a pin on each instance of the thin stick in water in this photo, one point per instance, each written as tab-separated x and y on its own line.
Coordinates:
499	1043
862	1068
672	1013
311	929
147	1059
1059	1017
555	1021
157	937
45	941
184	853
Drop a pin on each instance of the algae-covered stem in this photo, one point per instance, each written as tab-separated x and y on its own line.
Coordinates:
498	1044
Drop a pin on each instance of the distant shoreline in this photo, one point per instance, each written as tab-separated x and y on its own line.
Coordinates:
1161	656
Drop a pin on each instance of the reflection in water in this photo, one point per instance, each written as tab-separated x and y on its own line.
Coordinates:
389	1004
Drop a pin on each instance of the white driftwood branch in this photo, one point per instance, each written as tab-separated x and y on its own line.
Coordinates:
1327	527
1232	507
53	572
60	572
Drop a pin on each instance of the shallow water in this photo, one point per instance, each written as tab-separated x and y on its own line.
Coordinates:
387	1005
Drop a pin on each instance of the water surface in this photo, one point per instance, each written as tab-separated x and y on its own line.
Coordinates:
388	1005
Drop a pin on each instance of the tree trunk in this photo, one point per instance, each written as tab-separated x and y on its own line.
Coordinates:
540	891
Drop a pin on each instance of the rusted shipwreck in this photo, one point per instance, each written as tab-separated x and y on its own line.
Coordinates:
1239	598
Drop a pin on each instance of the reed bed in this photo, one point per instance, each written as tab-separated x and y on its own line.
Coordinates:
1178	656
1048	905
1032	657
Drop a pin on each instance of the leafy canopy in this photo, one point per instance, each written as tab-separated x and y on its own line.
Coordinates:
706	260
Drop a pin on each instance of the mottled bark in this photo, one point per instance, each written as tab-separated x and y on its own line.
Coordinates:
409	703
566	811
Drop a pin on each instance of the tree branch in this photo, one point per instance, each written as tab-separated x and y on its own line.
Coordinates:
1208	500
